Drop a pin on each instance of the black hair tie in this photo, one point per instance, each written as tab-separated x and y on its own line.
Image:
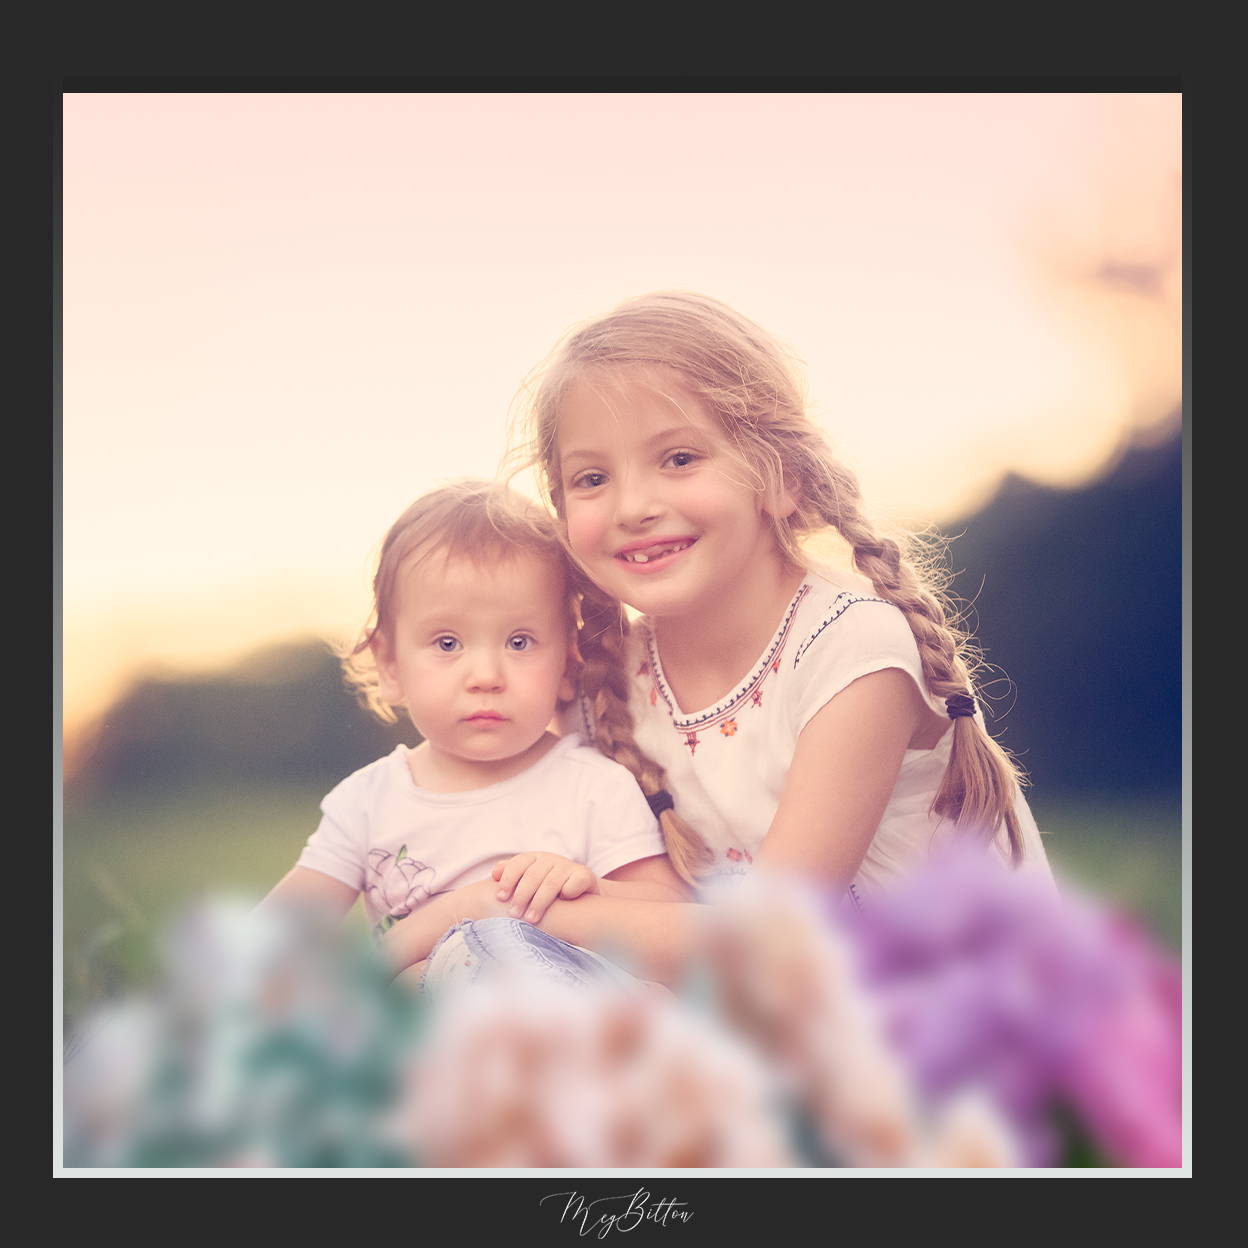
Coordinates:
661	801
961	706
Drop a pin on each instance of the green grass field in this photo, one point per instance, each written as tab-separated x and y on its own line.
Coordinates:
1128	851
131	862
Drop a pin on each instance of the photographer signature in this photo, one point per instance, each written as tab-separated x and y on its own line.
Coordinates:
637	1209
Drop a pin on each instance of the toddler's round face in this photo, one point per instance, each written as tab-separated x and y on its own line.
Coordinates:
659	506
480	655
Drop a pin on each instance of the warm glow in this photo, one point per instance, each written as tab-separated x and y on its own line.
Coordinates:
285	316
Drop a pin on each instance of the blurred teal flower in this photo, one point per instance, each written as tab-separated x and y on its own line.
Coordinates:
273	1043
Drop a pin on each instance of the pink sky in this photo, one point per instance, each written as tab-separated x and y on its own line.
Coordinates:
287	315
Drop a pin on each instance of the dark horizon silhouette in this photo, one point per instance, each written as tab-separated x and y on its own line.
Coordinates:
1076	602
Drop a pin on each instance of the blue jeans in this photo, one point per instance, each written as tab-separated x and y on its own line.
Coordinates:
471	951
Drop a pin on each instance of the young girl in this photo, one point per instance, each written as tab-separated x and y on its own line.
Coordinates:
816	723
474	633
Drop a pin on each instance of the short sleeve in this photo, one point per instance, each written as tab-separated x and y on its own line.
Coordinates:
620	826
338	848
852	636
332	851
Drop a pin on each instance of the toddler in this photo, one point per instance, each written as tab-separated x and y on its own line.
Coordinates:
474	634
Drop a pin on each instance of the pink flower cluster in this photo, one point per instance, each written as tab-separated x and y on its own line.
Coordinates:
529	1073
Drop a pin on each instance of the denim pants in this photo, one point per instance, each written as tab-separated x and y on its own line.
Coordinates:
473	951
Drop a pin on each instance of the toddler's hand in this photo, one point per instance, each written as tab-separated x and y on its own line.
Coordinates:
534	880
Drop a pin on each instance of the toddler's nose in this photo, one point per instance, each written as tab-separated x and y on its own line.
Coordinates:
485	672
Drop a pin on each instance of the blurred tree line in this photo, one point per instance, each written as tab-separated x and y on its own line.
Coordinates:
1076	599
283	713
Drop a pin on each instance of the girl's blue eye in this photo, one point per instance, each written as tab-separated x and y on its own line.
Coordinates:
681	459
446	644
589	480
519	642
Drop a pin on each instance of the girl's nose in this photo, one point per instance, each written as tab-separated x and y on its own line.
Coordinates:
485	672
637	500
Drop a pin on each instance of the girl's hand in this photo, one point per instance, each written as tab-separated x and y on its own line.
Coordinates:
534	880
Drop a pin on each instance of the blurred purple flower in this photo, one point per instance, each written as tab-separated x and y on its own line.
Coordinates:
1126	1074
986	979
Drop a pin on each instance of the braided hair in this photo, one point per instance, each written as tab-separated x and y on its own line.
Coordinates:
754	385
604	686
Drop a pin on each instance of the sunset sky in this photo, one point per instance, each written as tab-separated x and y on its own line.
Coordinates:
285	316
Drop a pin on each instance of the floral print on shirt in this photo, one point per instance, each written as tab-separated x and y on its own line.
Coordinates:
395	884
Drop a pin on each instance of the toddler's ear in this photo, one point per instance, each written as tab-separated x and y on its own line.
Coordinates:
387	670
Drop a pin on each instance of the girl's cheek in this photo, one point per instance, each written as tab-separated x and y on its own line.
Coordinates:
585	531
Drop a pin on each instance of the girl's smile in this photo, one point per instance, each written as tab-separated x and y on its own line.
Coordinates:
653	554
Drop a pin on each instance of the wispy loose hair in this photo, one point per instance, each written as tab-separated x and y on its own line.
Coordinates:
480	521
755	386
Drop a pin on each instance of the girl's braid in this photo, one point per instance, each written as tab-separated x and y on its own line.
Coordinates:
604	684
980	784
754	385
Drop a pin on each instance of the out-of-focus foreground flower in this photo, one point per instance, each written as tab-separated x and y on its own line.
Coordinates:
1069	1019
528	1073
968	1022
273	1043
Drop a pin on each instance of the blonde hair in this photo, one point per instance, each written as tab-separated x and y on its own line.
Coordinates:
488	523
754	385
480	521
604	686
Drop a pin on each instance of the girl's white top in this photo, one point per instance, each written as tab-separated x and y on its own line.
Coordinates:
726	765
399	844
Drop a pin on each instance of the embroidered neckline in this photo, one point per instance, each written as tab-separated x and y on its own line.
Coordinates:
844	600
725	708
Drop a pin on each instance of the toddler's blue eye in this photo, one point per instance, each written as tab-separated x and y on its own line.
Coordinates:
446	644
519	642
